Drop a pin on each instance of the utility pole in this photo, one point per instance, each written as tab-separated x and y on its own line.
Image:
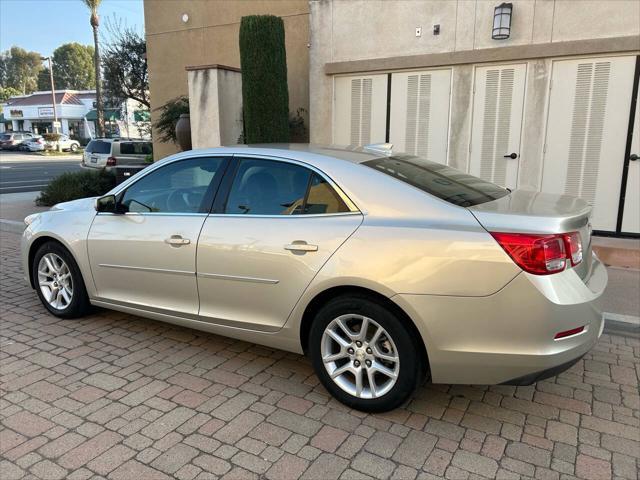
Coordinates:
53	95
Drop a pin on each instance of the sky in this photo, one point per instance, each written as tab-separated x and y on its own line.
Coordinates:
44	25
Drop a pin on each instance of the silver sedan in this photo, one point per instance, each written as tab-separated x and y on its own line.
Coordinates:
385	269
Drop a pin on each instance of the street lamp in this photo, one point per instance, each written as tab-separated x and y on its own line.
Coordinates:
53	94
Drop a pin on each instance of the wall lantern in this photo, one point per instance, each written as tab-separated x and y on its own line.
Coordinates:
502	21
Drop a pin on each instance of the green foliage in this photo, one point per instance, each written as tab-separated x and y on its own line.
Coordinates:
124	65
8	92
19	69
74	185
265	94
51	137
73	67
169	115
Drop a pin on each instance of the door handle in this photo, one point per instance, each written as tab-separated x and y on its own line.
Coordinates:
513	155
177	241
301	246
633	157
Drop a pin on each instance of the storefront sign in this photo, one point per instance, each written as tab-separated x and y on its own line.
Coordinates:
45	111
15	113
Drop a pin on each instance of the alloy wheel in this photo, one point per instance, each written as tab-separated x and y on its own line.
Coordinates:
360	356
54	279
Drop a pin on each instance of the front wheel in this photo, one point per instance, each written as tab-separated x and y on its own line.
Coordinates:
364	355
74	147
58	281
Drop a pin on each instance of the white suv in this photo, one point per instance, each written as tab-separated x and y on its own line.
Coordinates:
107	153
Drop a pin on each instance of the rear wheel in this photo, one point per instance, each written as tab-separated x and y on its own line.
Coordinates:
58	281
74	147
364	355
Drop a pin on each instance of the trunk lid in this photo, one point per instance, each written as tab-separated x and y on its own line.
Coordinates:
525	211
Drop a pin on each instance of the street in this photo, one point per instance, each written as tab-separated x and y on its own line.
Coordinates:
24	172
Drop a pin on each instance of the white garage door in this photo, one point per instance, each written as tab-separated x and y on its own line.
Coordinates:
360	110
586	132
498	101
419	120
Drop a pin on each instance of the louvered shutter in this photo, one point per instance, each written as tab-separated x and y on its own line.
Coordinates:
586	132
360	109
497	123
419	121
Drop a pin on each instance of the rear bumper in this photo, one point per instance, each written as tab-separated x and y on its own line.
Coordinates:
508	337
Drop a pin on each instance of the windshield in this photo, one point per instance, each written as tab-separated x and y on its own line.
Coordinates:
5	137
97	146
439	180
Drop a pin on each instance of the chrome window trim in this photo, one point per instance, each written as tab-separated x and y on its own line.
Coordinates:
156	214
353	208
311	215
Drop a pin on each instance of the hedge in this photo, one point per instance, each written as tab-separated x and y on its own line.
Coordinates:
265	94
74	185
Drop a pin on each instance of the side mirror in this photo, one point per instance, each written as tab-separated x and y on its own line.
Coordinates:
106	204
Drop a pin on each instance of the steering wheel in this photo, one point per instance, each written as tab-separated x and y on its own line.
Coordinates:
180	201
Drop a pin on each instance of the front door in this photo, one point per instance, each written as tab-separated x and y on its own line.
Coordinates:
281	223
631	213
498	104
146	256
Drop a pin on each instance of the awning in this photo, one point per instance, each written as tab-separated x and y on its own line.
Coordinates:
110	115
141	115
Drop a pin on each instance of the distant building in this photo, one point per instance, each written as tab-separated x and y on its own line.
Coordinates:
75	110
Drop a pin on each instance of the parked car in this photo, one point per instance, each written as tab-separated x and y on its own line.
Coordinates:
66	144
383	268
107	153
36	144
12	140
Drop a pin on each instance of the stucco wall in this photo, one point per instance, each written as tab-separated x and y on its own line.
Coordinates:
360	36
210	36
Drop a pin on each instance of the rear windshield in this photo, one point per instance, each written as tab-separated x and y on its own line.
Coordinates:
5	137
98	146
135	148
439	180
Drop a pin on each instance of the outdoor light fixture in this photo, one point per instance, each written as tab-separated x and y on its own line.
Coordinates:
185	17
502	21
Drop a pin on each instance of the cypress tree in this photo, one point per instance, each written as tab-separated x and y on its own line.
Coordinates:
265	93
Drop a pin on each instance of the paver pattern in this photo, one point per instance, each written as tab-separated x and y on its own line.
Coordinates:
120	397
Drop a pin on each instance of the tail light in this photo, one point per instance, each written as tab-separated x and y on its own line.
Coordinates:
541	254
111	162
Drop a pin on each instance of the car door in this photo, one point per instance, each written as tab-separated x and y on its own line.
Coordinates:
146	256
275	224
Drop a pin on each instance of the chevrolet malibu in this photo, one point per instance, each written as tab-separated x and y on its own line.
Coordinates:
385	269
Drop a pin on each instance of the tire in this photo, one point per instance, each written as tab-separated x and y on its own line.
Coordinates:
396	340
78	304
74	147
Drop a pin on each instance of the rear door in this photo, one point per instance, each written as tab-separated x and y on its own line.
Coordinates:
280	223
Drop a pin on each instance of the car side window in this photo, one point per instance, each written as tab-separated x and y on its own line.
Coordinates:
267	187
271	187
180	187
322	198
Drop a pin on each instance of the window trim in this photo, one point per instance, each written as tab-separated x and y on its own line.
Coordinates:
225	189
214	186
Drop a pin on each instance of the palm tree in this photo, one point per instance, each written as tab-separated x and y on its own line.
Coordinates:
93	6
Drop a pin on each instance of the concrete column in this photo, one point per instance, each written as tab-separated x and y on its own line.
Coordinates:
27	125
14	125
65	126
320	84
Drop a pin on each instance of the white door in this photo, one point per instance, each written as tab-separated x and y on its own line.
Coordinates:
360	110
631	214
419	120
497	123
587	128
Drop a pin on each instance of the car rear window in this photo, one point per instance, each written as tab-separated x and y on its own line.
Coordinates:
135	148
5	137
98	146
439	180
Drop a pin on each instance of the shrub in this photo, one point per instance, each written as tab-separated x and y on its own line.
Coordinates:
51	137
265	94
169	115
74	185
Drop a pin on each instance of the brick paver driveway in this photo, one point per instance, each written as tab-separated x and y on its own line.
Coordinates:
127	398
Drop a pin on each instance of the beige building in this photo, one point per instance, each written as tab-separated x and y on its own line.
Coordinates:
197	33
553	107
